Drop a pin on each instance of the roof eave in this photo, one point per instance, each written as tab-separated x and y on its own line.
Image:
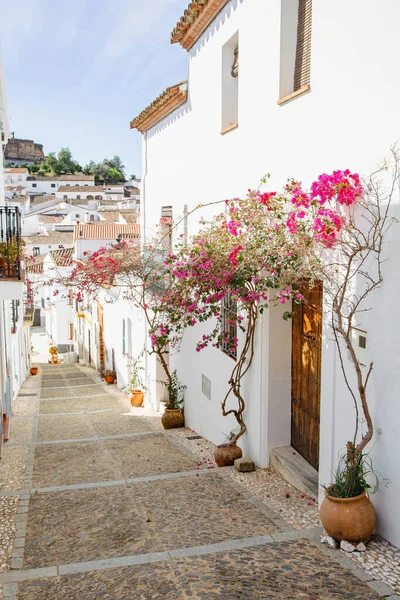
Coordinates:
177	95
196	19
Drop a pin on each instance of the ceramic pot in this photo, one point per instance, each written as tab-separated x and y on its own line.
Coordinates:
225	455
136	397
350	519
109	379
34	370
172	418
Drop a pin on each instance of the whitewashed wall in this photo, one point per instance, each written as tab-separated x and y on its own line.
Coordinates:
348	120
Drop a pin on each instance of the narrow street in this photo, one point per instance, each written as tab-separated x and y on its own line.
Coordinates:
112	507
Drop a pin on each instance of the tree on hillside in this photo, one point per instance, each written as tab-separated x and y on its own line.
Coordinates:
110	170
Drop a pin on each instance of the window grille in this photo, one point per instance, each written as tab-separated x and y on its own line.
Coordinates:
235	66
303	48
229	325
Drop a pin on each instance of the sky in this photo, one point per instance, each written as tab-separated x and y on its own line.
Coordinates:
78	71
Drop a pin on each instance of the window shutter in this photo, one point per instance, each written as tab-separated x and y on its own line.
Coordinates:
235	66
303	49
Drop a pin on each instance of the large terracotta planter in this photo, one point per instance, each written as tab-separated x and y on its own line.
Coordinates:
225	455
109	379
350	519
34	370
136	397
172	419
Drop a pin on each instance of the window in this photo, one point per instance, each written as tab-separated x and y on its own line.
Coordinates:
92	217
296	23
67	184
14	315
34	185
65	197
36	251
77	216
70	331
166	227
19	177
70	297
229	326
230	85
53	185
78	197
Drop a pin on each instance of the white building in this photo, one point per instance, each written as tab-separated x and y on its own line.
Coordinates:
14	337
50	185
43	243
89	237
91	192
56	303
16	178
335	108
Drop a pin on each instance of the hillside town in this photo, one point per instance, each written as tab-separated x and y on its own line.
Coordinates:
199	366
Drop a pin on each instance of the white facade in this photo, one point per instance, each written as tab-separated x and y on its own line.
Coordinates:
57	308
14	337
16	177
349	119
50	185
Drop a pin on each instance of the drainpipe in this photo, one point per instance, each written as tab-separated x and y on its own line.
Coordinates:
143	230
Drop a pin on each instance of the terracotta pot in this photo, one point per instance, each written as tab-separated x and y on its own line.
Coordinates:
109	379
225	455
136	397
350	519
34	370
172	418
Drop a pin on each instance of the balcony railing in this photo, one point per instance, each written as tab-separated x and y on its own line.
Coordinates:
10	242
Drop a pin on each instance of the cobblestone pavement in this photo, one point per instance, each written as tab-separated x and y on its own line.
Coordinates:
108	506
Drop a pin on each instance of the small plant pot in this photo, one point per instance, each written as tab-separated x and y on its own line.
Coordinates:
226	454
136	397
172	418
109	379
350	519
34	370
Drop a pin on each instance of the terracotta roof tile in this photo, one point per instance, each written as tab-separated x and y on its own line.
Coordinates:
81	188
76	177
195	20
15	170
51	218
165	104
106	231
51	237
62	257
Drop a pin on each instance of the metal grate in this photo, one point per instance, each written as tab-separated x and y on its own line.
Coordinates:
303	48
10	243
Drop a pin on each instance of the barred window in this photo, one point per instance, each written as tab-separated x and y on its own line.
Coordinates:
229	325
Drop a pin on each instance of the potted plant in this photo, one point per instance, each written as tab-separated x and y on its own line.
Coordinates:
34	370
347	513
136	395
53	350
173	415
109	376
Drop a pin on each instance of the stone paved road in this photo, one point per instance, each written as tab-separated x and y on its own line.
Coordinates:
113	509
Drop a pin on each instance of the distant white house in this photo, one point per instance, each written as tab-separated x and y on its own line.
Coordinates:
43	243
267	95
16	178
56	303
89	237
50	185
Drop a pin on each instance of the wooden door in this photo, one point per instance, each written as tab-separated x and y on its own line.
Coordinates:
306	375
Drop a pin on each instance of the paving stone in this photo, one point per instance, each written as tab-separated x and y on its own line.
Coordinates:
48	407
66	464
63	427
148	455
144	582
56	393
214	513
115	423
89	524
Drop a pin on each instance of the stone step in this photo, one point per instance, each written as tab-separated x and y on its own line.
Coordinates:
295	469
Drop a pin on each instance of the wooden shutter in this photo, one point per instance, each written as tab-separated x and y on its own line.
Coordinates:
235	66
303	48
